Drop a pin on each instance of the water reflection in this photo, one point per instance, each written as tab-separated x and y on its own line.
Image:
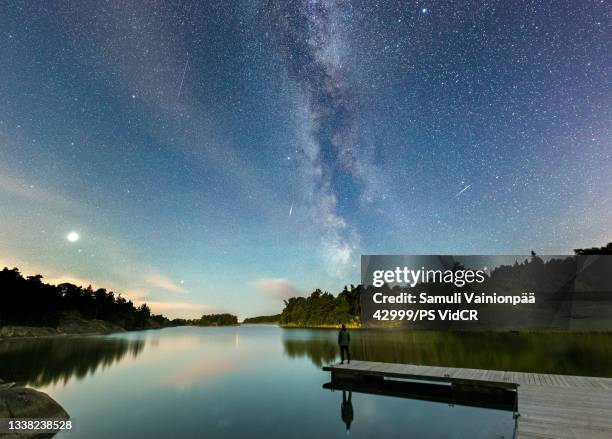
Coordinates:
44	361
346	409
221	382
320	352
561	353
451	394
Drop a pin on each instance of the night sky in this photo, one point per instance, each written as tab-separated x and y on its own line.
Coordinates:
222	155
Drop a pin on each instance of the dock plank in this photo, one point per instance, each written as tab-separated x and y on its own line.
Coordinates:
549	405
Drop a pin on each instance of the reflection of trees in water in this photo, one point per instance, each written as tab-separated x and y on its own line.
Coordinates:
320	352
563	353
44	361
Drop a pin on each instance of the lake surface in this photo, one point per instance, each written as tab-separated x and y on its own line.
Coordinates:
263	381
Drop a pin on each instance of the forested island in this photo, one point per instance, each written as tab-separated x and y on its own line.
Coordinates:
224	319
262	319
322	309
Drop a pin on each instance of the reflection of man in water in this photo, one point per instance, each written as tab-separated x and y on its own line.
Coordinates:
344	339
346	410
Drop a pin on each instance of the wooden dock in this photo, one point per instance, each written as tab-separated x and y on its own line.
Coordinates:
549	406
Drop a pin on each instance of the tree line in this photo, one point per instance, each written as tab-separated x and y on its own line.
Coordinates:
223	319
262	319
606	250
323	309
31	302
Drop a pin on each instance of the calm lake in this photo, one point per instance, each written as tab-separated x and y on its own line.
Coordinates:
263	381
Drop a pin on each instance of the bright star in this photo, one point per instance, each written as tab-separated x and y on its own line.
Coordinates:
424	10
73	237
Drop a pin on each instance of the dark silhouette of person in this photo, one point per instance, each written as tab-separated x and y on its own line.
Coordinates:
344	339
346	410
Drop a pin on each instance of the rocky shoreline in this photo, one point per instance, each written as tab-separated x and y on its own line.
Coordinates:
92	328
24	402
70	324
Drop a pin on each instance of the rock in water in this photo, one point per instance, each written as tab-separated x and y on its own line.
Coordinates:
22	402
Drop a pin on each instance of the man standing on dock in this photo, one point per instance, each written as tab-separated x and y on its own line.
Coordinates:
344	339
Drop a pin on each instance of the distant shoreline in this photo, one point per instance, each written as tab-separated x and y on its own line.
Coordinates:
16	332
324	326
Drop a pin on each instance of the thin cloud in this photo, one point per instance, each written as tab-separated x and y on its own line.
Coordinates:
178	309
277	288
67	278
163	282
21	188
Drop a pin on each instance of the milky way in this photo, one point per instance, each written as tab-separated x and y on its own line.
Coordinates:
310	37
207	152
